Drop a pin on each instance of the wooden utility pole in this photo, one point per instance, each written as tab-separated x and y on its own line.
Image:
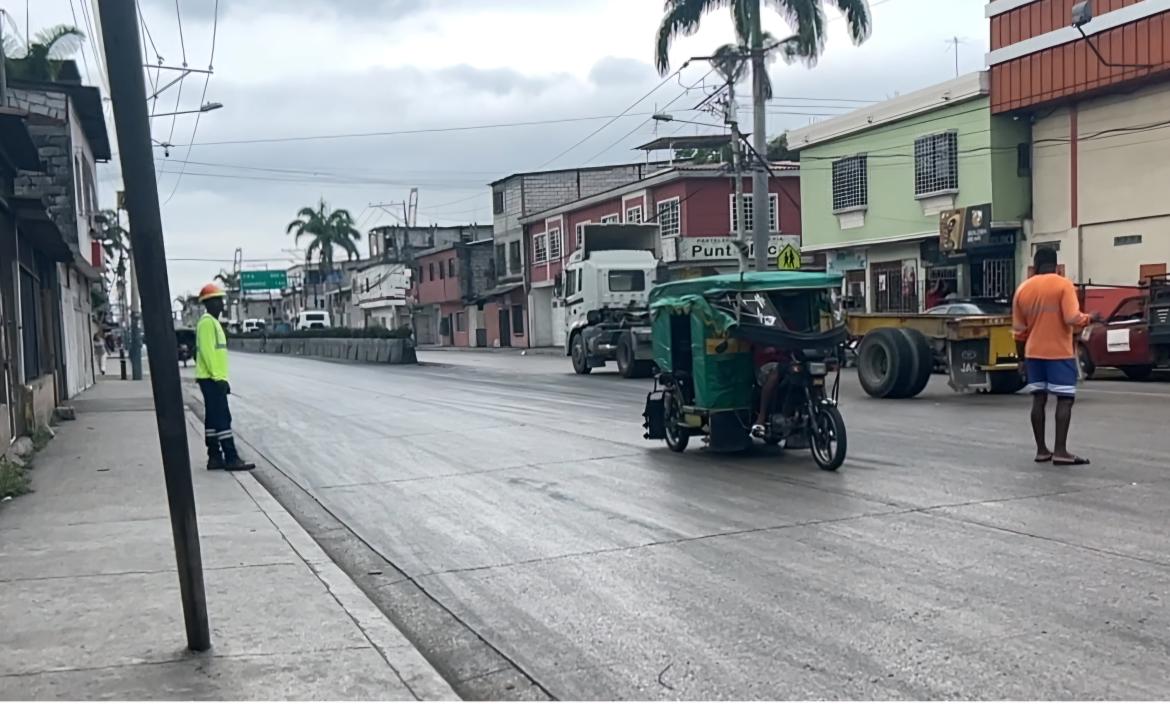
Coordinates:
119	24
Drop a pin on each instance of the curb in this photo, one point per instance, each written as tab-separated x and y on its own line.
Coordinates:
415	672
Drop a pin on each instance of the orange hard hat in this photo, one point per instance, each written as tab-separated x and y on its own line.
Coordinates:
210	291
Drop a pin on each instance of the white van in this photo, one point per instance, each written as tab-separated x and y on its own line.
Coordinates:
254	325
313	319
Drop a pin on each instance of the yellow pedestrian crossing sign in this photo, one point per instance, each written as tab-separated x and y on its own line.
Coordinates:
788	259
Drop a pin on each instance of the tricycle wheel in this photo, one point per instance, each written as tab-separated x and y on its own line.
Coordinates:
580	356
676	438
827	439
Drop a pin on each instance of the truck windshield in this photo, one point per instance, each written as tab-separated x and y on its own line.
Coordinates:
627	281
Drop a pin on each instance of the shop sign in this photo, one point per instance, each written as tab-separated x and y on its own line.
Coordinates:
964	228
843	261
693	249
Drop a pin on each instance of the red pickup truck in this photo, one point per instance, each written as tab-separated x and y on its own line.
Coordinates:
1134	337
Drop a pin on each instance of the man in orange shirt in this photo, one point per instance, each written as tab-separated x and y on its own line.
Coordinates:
1045	316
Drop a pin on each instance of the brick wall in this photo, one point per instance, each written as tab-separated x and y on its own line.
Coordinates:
49	128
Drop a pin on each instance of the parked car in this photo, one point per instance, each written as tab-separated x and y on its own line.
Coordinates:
313	320
968	307
254	325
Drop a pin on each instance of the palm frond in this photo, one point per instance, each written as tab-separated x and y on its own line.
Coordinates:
682	19
858	17
61	41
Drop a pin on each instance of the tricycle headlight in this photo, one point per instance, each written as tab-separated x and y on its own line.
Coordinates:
818	368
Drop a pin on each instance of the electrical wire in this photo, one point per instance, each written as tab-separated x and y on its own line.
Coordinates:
84	57
680	96
182	41
615	118
202	98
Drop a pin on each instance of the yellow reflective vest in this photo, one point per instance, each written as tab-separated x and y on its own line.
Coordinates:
210	350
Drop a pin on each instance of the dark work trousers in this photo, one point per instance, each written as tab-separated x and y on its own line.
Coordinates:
217	422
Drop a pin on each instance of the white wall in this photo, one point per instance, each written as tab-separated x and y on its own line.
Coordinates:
541	317
1122	181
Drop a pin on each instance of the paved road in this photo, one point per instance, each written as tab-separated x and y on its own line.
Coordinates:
940	563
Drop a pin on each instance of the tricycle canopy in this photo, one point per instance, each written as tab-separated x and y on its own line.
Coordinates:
705	327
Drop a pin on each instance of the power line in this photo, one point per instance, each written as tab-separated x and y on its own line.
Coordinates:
680	96
396	133
615	118
182	41
203	97
84	57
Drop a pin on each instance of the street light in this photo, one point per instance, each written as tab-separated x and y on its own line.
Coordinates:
206	107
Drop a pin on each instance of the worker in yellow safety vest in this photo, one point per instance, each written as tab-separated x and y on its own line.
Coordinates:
211	372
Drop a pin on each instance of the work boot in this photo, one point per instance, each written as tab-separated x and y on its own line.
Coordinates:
233	463
214	455
239	465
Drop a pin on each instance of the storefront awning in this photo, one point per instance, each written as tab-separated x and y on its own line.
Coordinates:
37	229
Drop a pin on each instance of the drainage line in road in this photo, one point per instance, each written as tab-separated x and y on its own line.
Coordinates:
409	578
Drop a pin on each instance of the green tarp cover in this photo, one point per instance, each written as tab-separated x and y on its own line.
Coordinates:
724	380
751	281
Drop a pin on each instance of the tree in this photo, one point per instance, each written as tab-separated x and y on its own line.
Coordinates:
43	57
329	229
115	241
805	17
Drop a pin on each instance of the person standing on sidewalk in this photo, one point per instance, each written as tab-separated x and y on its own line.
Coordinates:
99	352
1045	316
211	372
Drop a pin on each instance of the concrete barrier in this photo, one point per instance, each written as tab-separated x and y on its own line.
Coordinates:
371	351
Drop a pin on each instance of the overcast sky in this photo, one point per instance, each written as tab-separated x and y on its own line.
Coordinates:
311	68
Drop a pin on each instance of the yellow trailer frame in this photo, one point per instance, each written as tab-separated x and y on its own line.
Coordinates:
980	350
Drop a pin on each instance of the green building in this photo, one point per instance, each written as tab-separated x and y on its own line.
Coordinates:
917	198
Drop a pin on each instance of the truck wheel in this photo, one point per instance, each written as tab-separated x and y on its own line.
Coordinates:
923	356
629	366
1088	368
884	363
580	357
1005	382
1137	373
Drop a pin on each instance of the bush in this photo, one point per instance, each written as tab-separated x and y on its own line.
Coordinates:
375	332
13	479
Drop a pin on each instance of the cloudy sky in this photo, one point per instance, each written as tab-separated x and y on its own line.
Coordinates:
311	89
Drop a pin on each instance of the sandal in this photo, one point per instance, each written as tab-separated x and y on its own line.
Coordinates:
1043	458
1070	461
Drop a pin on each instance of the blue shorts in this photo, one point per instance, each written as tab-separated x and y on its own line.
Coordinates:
1052	376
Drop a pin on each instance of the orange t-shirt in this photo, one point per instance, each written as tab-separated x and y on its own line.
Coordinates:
1046	313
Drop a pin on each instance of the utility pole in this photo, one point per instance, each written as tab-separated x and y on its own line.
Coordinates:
135	308
760	199
119	22
737	171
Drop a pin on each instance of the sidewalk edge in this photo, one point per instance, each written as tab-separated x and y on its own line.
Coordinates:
416	673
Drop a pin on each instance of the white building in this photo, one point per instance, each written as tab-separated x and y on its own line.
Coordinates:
380	293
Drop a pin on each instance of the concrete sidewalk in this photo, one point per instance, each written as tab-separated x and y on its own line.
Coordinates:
89	597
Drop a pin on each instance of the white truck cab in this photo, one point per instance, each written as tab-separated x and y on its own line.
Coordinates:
607	285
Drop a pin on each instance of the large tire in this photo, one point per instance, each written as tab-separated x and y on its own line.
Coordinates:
1088	368
1137	373
923	356
827	440
629	366
885	363
579	355
1005	383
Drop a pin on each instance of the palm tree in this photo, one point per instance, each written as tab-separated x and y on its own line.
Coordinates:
329	229
42	59
806	17
231	286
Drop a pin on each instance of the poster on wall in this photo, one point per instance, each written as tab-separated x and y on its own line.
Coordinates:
966	228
